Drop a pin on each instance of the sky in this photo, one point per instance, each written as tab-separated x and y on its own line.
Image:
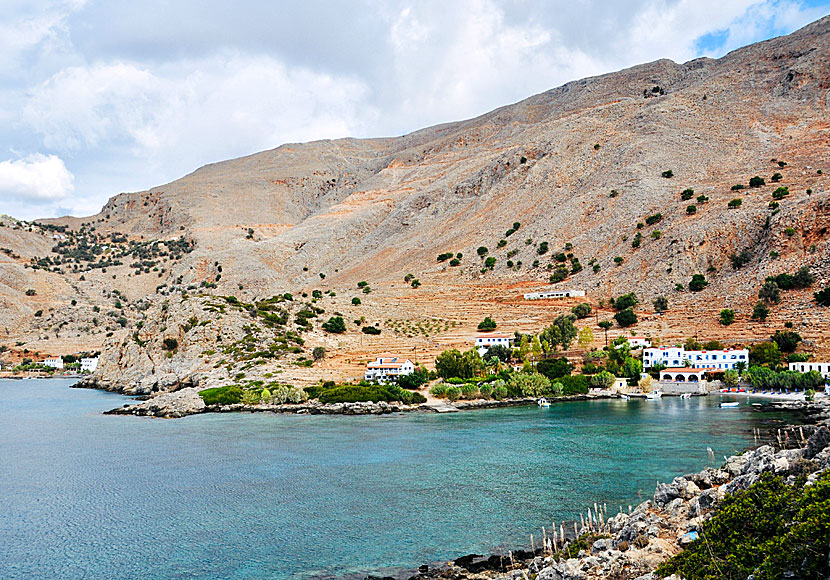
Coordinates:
99	97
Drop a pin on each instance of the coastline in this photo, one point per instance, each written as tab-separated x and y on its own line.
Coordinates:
633	545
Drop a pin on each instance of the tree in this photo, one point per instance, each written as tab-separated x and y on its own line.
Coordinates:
625	301
335	324
487	324
698	283
730	378
760	312
626	317
356	301
500	351
661	304
765	354
318	353
582	310
586	337
528	385
449	364
524	347
770	292
413	380
787	340
822	297
727	316
561	332
691	209
735	203
536	348
605	325
481	251
756	181
603	380
554	368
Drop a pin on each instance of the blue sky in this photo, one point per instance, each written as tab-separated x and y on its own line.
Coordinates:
99	97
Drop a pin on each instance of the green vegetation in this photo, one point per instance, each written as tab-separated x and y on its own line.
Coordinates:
653	219
542	249
228	395
769	531
738	187
780	193
452	363
668	174
335	324
691	209
626	317
661	304
741	259
756	181
776	177
698	283
687	194
481	251
735	203
770	292
801	279
625	301
760	312
170	344
370	330
445	256
582	310
356	301
787	340
823	297
487	324
364	392
727	316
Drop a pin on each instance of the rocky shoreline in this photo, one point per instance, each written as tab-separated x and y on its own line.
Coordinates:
630	546
186	401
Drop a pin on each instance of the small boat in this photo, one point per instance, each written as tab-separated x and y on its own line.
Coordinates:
655	394
730	404
686	396
625	397
543	402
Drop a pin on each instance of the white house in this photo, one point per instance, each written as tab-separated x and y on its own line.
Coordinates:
89	365
674	357
554	294
485	341
685	374
55	362
806	367
639	342
387	368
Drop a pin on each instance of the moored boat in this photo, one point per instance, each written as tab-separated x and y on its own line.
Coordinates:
729	404
543	402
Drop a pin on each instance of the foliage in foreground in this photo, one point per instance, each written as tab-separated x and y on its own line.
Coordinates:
228	395
771	530
365	392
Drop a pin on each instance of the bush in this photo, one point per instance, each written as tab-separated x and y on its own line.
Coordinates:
453	393
574	384
691	209
776	177
335	324
625	301
528	385
455	262
469	391
30	292
481	251
735	203
445	256
542	249
727	316
756	181
626	317
486	391
770	292
582	310
356	301
490	262
438	390
760	312
668	174
780	193
228	395
740	260
698	283
738	187
373	330
653	219
487	324
687	194
702	199
169	344
661	304
559	274
822	297
787	340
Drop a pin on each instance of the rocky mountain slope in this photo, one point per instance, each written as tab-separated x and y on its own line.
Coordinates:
593	170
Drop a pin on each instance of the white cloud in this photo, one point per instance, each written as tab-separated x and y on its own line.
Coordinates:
193	112
36	178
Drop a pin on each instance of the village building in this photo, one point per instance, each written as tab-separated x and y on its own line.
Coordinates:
639	342
485	341
673	357
806	367
55	362
554	294
686	374
89	365
387	368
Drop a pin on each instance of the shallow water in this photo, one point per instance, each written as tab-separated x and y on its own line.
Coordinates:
247	496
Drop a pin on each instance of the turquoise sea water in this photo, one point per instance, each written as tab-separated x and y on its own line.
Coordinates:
247	496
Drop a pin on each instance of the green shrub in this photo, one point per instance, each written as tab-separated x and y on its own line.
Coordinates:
625	301
735	203
727	316
335	324
702	199
169	344
691	209
445	256
528	385
668	174
481	251
453	393
542	249
698	283
661	304
823	297
738	187
370	330
469	391
780	193
486	391
574	384
687	194
776	177
626	317
228	395
760	312
487	324
756	181
455	262
653	219
490	262
582	310
356	301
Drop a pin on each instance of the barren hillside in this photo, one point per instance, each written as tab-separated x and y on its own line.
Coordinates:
581	168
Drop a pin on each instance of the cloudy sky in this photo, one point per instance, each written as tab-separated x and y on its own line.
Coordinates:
99	97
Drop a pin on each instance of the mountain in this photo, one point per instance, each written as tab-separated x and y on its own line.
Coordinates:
593	170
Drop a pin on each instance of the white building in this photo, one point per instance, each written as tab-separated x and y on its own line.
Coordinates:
89	365
685	374
485	341
55	363
674	357
387	368
639	342
806	367
554	294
